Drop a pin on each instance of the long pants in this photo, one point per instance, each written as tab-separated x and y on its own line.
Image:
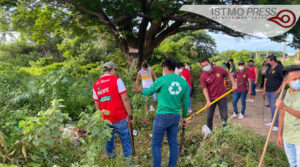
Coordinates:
222	104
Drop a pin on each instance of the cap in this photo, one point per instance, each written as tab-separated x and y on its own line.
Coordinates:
241	62
109	65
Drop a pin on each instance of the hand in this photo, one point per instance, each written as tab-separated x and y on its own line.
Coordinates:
129	118
138	89
183	122
264	93
255	82
207	103
279	104
277	92
249	93
234	86
279	141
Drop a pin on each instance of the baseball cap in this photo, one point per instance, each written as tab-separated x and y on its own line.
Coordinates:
241	63
109	65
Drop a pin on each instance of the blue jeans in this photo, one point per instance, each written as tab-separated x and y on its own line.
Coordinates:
122	128
165	123
292	152
253	87
236	97
272	100
190	103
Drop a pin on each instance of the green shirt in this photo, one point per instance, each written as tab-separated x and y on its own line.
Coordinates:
172	90
291	125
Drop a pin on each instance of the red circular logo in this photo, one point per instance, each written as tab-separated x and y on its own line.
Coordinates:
285	18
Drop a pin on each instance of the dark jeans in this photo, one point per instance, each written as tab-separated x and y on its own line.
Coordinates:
253	87
165	123
122	128
237	96
262	81
223	112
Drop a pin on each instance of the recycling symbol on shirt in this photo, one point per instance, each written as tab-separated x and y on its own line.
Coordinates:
175	88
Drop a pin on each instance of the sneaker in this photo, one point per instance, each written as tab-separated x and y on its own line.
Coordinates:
267	107
152	108
268	124
275	129
234	115
251	100
248	100
190	111
241	116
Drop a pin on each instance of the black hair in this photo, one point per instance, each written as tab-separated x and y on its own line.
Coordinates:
179	65
170	64
272	57
289	69
250	61
145	65
187	63
107	69
231	60
204	60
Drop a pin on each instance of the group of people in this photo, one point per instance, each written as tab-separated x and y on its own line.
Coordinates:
172	93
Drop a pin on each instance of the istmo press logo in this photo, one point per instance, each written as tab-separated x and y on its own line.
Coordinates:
256	20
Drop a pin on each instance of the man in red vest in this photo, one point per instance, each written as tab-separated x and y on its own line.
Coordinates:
109	93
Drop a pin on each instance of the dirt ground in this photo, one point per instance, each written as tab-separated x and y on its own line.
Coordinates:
255	116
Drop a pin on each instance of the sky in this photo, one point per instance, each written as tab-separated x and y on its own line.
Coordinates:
225	42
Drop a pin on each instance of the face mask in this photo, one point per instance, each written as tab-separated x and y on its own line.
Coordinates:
295	85
207	68
241	68
180	70
251	65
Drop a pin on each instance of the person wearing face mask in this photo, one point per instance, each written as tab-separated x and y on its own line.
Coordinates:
264	69
232	66
173	94
185	73
289	118
272	87
253	72
147	75
243	78
212	83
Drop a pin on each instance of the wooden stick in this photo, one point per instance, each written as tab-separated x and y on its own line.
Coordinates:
271	128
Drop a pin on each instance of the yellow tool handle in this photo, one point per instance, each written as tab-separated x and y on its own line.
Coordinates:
225	94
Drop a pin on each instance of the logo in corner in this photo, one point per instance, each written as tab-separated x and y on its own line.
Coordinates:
284	18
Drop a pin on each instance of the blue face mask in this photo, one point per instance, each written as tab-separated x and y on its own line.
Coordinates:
295	85
207	68
251	65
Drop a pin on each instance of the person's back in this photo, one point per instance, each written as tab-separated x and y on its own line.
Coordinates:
171	89
107	90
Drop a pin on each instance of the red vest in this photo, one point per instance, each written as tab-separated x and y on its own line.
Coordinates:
106	89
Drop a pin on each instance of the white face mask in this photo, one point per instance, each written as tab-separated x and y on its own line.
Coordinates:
207	68
180	70
241	68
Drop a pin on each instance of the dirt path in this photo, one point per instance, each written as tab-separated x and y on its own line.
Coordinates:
255	116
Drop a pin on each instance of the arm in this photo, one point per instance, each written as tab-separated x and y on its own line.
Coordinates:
205	92
256	74
126	104
232	81
153	74
279	89
153	88
97	105
280	129
185	102
280	104
137	79
264	90
250	86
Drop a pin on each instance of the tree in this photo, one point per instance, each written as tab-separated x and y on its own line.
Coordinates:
141	25
242	56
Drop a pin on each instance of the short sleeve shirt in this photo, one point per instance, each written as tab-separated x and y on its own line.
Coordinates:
214	82
274	78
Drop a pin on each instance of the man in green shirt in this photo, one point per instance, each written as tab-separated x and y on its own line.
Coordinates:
172	90
289	118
